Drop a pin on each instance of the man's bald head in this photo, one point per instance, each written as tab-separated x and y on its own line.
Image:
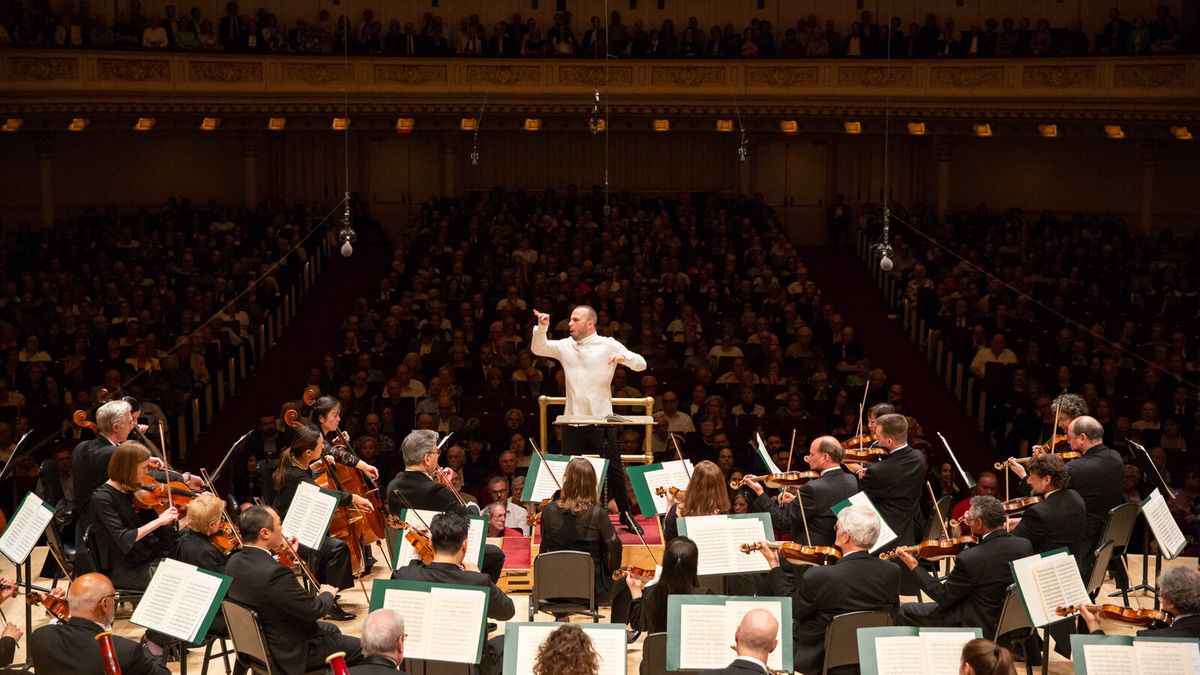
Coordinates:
87	598
757	634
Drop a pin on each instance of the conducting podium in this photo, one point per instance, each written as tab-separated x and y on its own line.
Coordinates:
646	421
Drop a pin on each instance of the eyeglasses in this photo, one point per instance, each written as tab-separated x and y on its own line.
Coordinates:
115	596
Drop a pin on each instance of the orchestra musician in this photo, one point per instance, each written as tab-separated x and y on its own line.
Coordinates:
194	545
649	610
382	644
706	495
89	466
817	496
588	362
894	484
972	595
71	647
287	613
10	634
1179	588
327	418
331	562
755	639
129	539
576	522
858	582
1057	521
415	487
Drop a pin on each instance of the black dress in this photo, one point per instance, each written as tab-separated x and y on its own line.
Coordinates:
591	532
331	562
121	555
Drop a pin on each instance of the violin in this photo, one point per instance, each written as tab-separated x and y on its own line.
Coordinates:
933	549
1048	446
160	496
54	605
777	480
535	518
420	543
1015	506
859	442
1144	618
799	553
674	491
226	537
864	456
630	571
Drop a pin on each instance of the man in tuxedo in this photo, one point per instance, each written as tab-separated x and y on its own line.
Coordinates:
382	643
858	582
448	532
71	647
817	496
415	488
972	595
894	484
754	641
1179	588
1059	520
287	613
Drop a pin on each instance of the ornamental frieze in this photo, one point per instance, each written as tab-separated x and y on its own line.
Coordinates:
226	71
134	70
23	68
966	78
594	76
316	73
688	76
805	76
1059	77
874	76
1150	76
504	75
410	75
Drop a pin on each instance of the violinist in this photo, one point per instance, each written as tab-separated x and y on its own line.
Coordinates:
89	466
194	545
331	562
858	582
817	496
1059	519
129	539
11	633
706	496
972	595
287	613
894	484
1179	588
678	577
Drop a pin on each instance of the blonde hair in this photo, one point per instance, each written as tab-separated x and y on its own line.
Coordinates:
204	510
123	465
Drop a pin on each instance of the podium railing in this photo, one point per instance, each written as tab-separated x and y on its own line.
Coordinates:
647	403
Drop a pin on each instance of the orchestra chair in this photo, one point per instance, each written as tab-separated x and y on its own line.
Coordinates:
715	583
841	636
654	656
1118	528
1103	556
248	641
1013	617
62	552
564	581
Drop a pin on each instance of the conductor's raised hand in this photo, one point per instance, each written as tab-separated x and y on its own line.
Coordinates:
543	320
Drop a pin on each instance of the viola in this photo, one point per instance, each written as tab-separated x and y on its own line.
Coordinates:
630	571
160	496
777	480
864	456
1048	446
859	441
933	549
799	553
420	543
1145	618
226	537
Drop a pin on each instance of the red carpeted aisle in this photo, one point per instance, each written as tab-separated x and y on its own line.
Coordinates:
845	282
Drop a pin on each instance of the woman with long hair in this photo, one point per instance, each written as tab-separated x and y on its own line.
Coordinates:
575	521
567	651
984	657
678	577
706	496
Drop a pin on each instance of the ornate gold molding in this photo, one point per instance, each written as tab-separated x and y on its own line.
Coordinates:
133	70
874	76
1150	76
1060	77
226	71
595	76
315	73
389	73
504	76
784	76
40	68
687	76
966	78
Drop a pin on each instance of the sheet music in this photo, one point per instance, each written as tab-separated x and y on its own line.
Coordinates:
894	655
1108	659
736	610
1166	531
413	606
886	534
544	485
25	528
608	643
718	539
455	619
1059	584
943	651
178	600
672	474
1166	658
766	457
476	536
308	516
698	649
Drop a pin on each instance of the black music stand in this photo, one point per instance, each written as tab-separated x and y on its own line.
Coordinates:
1142	457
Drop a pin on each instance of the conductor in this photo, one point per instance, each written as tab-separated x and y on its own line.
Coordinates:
588	362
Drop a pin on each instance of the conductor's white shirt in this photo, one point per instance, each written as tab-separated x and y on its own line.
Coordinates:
586	369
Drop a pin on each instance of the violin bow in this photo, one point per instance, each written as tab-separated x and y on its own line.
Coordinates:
229	453
936	510
162	436
804	518
307	573
679	455
237	536
862	406
791	449
547	465
967	479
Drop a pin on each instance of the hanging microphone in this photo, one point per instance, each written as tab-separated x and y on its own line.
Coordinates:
347	234
884	248
594	121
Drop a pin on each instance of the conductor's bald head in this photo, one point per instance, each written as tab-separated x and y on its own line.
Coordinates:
92	597
757	634
583	322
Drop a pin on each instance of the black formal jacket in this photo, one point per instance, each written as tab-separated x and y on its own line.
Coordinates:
1055	523
70	647
858	582
376	665
287	613
894	486
1098	477
818	496
1185	627
738	667
500	606
8	649
89	470
292	478
422	493
115	532
974	591
194	548
639	611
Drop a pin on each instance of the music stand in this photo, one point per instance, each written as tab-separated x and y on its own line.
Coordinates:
646	421
1146	464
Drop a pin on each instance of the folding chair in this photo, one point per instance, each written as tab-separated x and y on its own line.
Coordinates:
841	636
564	582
